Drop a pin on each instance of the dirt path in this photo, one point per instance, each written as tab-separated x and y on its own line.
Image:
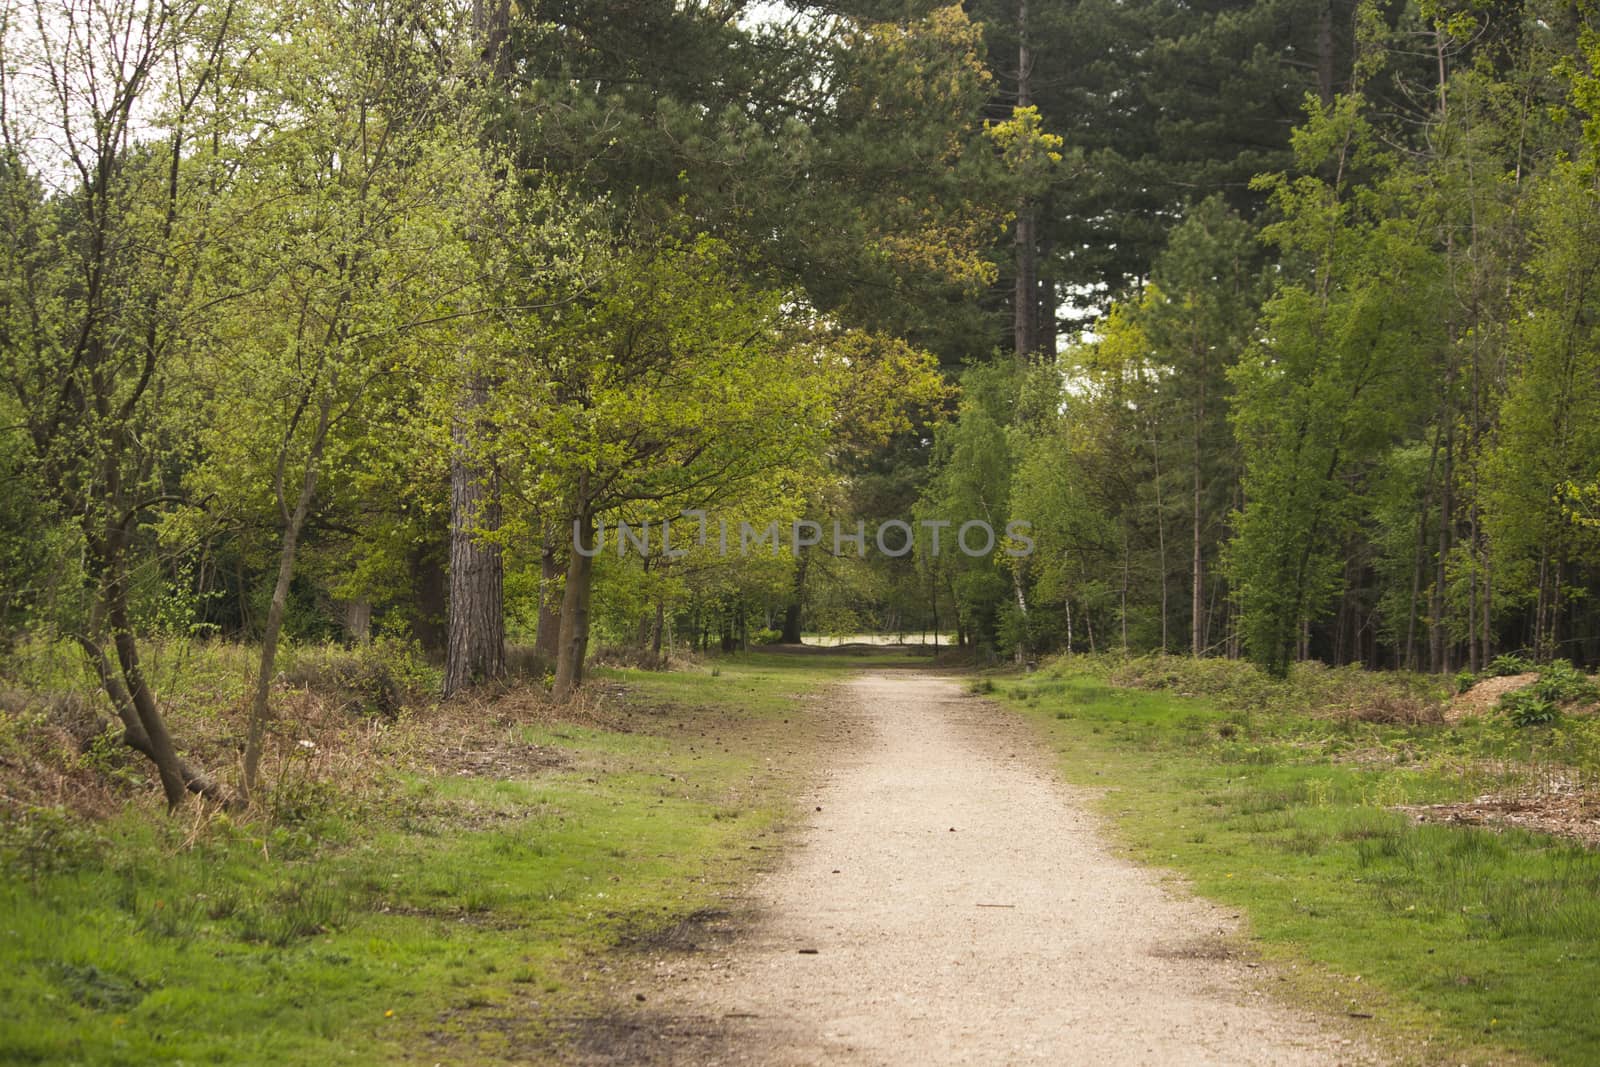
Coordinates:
949	902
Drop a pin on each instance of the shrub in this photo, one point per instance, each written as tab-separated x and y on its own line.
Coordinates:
376	678
1525	707
1540	703
1562	683
1508	663
766	637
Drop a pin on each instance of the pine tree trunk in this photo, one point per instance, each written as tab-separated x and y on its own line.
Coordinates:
1025	298
1047	328
1438	637
475	647
1161	534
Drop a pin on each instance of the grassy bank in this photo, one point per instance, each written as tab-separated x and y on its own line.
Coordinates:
1287	809
435	893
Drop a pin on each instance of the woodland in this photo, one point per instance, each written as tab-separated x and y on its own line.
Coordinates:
1277	323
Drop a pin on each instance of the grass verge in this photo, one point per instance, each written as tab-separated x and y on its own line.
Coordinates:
447	911
1484	940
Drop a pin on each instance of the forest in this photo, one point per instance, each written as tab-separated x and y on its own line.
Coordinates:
799	531
1274	322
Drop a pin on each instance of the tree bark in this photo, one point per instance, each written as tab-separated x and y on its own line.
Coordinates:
133	731
475	648
1025	299
1197	614
1161	532
1017	586
358	621
162	752
1438	638
107	547
794	610
575	605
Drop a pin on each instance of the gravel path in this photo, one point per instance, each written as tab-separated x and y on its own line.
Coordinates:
951	903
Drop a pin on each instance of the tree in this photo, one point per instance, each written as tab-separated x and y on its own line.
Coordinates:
1196	316
351	262
100	104
1335	378
1547	439
668	381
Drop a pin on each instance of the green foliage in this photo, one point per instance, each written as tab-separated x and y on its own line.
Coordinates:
1559	683
1337	377
972	470
1529	707
1508	663
39	841
1539	704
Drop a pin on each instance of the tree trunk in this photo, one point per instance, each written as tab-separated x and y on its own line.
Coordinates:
1161	532
1025	326
358	621
106	538
1197	614
162	752
133	731
1047	328
475	648
1438	638
1126	563
575	604
1018	587
794	610
293	522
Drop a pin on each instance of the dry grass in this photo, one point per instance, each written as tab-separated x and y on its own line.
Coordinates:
347	726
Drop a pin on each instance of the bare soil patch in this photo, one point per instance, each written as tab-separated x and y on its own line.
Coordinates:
1482	698
1559	807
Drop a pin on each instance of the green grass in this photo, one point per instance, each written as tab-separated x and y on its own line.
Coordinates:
446	924
1487	938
